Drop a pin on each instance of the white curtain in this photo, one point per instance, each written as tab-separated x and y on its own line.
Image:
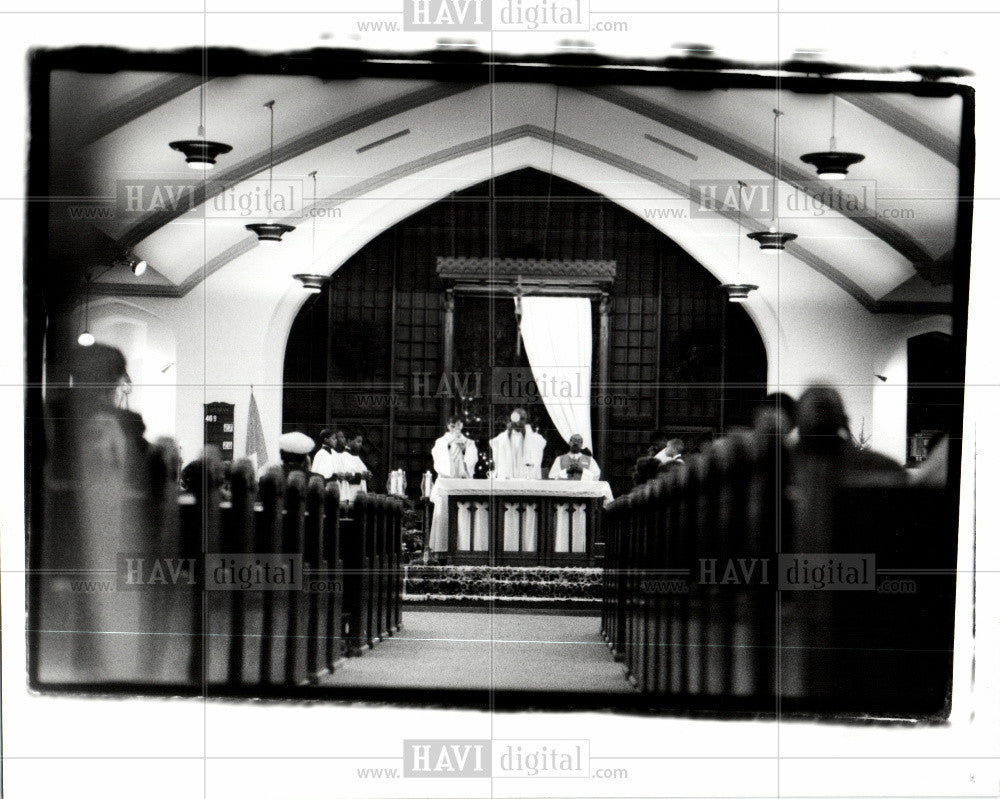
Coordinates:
557	340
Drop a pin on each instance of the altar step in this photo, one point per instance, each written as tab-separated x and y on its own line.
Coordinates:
541	586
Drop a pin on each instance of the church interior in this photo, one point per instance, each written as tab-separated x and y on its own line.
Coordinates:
288	249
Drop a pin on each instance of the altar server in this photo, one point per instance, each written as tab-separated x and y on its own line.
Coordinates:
327	461
454	454
353	470
334	461
517	452
575	464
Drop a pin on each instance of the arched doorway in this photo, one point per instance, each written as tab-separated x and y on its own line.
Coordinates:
355	351
930	392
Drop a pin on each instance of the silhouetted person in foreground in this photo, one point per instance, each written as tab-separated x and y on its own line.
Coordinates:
775	416
826	459
671	455
97	488
660	458
87	421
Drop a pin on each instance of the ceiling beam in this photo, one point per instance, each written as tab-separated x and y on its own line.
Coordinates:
305	142
121	112
905	123
763	160
544	135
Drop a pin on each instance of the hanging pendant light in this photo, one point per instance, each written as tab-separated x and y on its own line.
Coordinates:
200	153
738	292
312	282
270	232
129	260
832	164
773	240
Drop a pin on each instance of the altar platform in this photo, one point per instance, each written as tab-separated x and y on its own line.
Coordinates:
518	522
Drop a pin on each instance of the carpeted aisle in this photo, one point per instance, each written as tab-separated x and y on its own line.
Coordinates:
528	651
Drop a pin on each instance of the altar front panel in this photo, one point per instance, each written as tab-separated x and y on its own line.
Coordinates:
522	522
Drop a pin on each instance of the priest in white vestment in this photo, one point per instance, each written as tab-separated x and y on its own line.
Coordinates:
575	464
453	454
517	452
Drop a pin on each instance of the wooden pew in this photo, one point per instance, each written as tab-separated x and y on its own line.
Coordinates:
315	575
379	584
268	539
200	532
209	630
230	609
336	641
296	608
395	557
357	573
691	586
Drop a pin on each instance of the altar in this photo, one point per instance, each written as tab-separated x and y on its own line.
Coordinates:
517	522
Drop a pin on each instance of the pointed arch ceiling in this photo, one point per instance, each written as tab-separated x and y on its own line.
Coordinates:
366	136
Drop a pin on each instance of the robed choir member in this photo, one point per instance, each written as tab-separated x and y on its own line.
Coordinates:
355	466
517	452
336	461
454	454
575	464
329	460
355	474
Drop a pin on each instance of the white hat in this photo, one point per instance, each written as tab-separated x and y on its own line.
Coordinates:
296	443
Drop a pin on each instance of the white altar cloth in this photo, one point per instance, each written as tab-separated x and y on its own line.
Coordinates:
447	486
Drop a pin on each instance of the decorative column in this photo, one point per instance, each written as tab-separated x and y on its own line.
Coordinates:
448	354
603	361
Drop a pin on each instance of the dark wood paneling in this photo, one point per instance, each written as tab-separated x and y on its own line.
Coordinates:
664	327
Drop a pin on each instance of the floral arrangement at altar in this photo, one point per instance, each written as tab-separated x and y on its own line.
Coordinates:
481	584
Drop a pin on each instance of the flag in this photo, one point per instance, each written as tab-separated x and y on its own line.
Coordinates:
256	448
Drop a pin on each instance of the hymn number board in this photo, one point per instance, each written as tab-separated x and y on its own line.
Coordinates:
219	427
